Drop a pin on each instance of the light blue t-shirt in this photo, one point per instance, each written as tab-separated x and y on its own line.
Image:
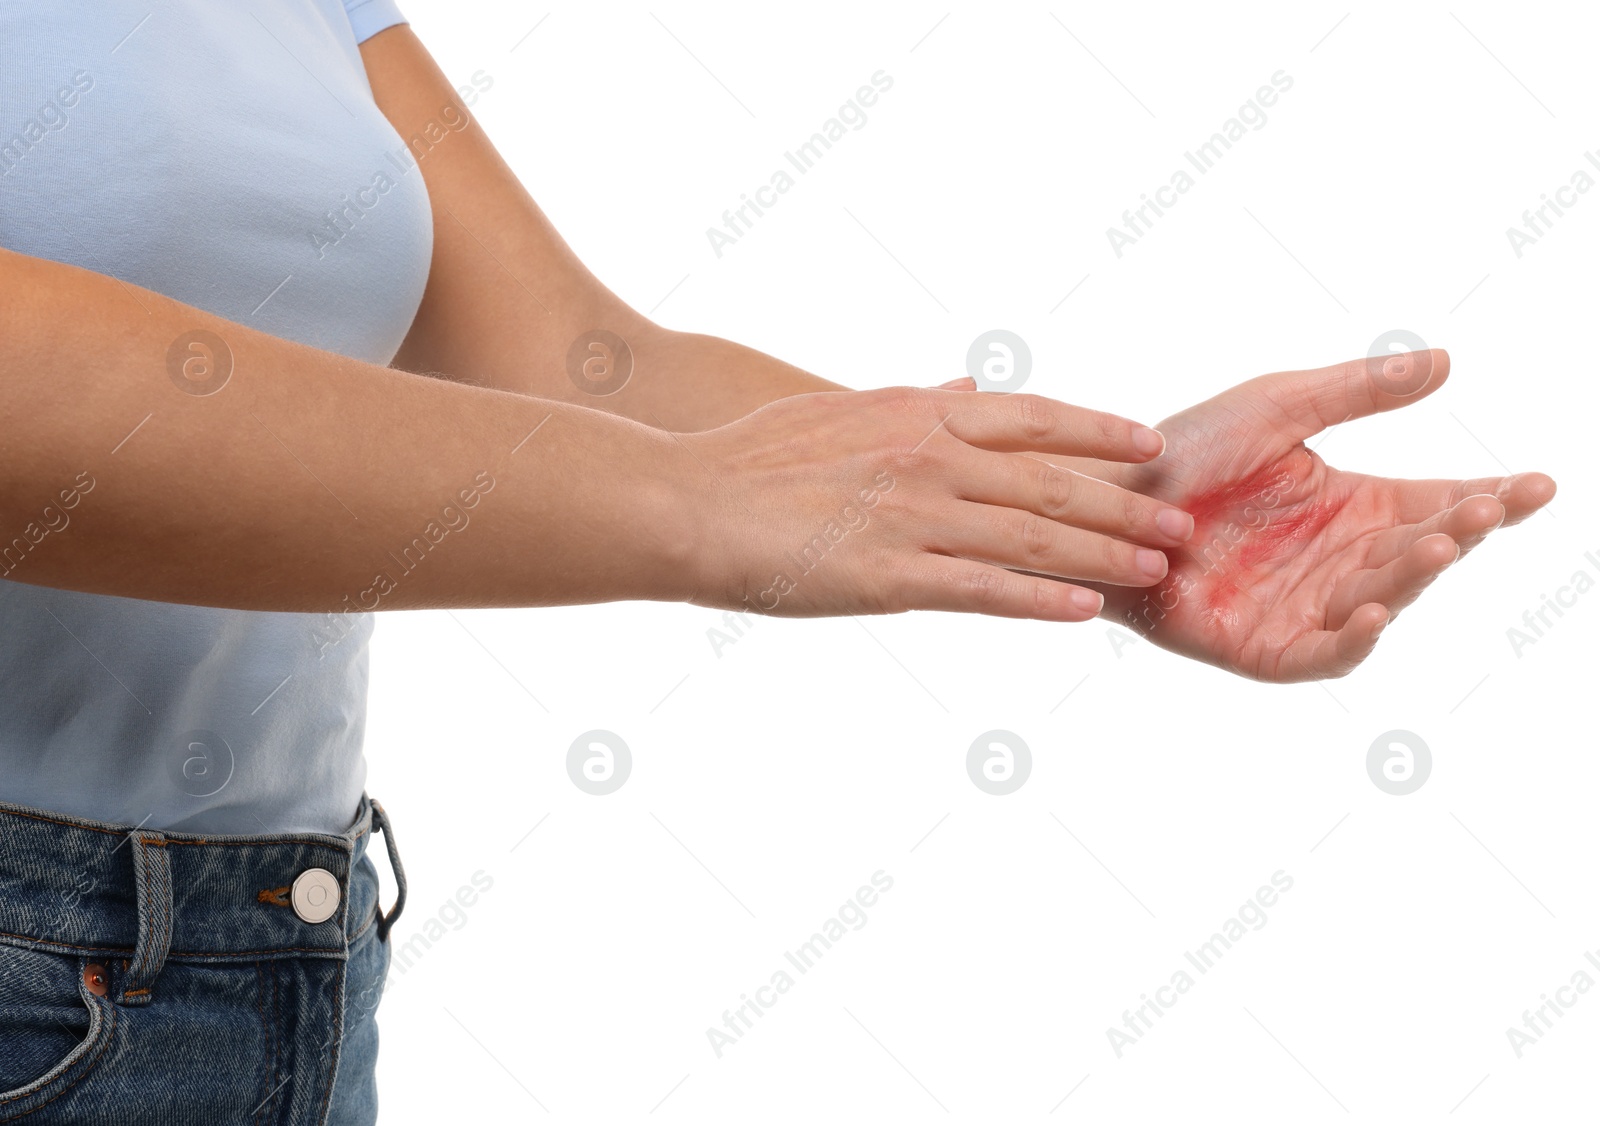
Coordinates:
228	155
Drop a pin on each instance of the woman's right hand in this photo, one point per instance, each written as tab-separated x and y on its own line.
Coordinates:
905	498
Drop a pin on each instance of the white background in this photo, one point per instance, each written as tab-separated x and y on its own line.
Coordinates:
769	782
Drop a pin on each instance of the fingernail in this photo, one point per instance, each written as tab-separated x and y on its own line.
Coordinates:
1088	601
1176	523
957	384
1151	562
1148	442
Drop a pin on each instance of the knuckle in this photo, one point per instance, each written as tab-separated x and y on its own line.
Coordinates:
1035	420
915	444
1038	541
1356	373
908	401
1117	559
1134	511
1056	488
983	587
911	458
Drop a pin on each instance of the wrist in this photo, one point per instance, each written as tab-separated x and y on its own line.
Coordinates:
687	527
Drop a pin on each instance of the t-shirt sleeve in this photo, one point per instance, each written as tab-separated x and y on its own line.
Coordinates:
368	17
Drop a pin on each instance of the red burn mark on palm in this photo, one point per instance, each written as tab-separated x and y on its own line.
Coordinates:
1207	506
1267	527
1219	596
1286	529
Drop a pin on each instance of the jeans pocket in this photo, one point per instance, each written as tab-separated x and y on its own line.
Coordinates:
54	1025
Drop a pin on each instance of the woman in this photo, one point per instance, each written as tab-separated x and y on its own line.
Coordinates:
288	343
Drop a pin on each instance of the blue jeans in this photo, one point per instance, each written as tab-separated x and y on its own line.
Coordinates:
149	977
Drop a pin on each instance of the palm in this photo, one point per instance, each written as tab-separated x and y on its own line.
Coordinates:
1295	566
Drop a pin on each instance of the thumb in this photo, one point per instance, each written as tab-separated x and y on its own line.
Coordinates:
1316	400
965	383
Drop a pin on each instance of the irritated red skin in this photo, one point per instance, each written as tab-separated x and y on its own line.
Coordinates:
1207	506
1286	530
1288	525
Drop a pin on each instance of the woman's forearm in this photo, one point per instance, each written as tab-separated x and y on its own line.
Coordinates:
678	381
308	481
685	381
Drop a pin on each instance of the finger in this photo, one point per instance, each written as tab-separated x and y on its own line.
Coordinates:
1468	523
1312	401
965	383
943	583
1006	537
1323	654
1068	497
1397	583
1523	494
1020	423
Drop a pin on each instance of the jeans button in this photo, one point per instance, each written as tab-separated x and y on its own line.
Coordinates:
95	979
315	895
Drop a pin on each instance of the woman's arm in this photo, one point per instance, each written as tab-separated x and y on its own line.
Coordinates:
307	474
506	296
309	481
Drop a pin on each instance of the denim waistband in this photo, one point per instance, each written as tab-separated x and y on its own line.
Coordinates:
76	886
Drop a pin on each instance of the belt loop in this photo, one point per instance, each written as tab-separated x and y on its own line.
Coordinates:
380	822
152	874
